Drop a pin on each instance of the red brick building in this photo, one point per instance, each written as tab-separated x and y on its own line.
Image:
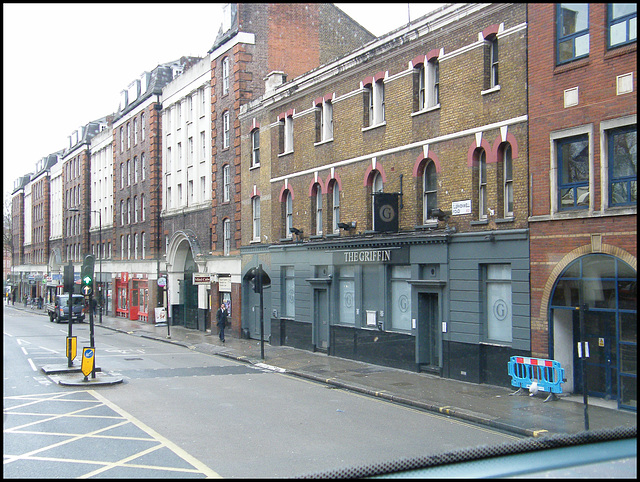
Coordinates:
582	72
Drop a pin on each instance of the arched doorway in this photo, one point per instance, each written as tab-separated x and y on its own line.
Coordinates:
605	287
189	294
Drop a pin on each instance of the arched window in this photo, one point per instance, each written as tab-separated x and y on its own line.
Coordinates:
143	208
429	191
482	184
288	214
334	209
508	180
255	204
226	236
143	243
316	205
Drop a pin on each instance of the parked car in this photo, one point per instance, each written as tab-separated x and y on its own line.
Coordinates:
59	310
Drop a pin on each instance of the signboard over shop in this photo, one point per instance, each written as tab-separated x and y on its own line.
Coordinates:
372	256
202	279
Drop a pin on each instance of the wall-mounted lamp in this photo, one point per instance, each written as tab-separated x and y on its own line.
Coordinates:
491	236
440	214
295	231
347	226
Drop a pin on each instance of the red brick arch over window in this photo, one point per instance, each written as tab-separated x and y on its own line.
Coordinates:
484	144
511	139
368	175
336	176
490	30
313	183
421	162
283	190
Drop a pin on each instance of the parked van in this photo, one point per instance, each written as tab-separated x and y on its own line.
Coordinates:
59	310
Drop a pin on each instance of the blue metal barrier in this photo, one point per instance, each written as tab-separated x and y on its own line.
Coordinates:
548	374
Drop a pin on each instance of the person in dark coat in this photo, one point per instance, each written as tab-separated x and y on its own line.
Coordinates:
221	318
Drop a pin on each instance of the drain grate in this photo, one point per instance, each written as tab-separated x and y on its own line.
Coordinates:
129	359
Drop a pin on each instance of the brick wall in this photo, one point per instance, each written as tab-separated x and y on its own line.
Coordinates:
559	239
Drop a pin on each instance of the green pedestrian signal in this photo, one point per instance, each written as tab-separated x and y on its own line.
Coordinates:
86	279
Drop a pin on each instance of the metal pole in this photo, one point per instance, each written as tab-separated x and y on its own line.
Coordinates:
100	285
259	281
69	361
583	355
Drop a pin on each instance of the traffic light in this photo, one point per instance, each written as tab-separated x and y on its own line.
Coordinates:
87	274
259	279
68	278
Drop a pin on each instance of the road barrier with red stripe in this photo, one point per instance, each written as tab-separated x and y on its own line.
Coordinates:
548	374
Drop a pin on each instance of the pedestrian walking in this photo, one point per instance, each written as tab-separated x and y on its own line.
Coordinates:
221	318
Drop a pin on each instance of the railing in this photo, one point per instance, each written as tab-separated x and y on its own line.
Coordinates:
536	374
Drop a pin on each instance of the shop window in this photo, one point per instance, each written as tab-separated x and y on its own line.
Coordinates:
498	308
289	292
400	298
347	295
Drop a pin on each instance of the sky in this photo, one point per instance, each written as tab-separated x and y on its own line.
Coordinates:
65	64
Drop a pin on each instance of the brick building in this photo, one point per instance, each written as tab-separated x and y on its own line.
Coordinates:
254	40
389	202
583	165
137	192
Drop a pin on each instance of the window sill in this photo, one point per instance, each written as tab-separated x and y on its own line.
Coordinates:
428	109
365	129
316	236
427	225
571	65
491	90
480	222
323	142
254	241
286	240
505	220
282	154
257	166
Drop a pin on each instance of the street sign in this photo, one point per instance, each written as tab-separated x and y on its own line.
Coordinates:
201	279
88	359
162	282
72	341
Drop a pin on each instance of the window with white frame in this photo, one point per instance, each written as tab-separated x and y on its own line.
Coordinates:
179	166
169	200
180	201
226	129
255	147
498	306
179	107
190	191
143	208
288	214
225	75
317	208
135	246
427	85
203	187
128	135
128	246
128	172
572	31
285	134
429	191
622	23
143	244
203	147
190	107
493	61
122	212
168	159
135	209
255	207
122	175
142	126
335	206
121	139
203	102
128	210
482	184
135	169
190	151
226	183
507	167
374	103
324	121
123	247
226	236
143	163
135	131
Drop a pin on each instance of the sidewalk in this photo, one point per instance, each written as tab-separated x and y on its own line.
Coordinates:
484	404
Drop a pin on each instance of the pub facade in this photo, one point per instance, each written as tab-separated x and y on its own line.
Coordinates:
389	203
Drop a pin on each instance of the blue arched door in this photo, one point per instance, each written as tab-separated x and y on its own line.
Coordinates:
606	287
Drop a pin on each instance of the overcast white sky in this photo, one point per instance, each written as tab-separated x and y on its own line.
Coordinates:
65	64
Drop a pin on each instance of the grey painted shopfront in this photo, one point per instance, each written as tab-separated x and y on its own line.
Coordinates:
456	305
